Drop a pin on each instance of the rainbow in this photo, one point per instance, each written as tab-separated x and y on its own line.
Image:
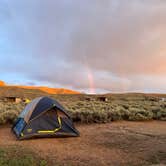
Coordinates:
91	82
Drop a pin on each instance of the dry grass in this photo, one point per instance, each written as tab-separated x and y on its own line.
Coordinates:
19	156
118	107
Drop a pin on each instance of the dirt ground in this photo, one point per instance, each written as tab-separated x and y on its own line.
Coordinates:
117	143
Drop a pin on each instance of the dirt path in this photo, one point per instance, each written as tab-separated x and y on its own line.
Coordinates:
118	143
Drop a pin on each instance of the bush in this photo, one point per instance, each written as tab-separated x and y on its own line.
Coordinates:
8	116
161	115
140	114
136	108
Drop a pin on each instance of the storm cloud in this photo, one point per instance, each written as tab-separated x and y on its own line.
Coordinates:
116	45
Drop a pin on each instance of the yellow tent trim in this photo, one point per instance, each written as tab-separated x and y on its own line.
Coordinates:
52	131
27	101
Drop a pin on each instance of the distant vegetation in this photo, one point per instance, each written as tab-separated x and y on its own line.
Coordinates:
132	107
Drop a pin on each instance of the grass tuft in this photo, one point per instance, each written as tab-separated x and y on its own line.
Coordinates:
18	156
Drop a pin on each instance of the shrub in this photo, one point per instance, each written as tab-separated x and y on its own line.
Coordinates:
8	116
140	114
136	108
161	115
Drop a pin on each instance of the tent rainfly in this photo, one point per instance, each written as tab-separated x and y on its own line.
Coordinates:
44	117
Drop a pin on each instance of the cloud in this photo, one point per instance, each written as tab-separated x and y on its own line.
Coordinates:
127	40
121	43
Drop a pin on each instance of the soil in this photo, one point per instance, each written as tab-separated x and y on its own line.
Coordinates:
117	143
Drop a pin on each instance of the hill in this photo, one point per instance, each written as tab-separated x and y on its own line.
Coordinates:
2	83
136	95
50	90
38	89
6	91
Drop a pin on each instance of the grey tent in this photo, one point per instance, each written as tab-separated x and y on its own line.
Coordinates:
44	117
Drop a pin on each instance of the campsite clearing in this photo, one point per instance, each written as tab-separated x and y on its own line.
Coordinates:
117	143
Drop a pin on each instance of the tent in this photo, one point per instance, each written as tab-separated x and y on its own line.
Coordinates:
44	117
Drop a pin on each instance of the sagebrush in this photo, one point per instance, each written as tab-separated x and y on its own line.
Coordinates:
94	111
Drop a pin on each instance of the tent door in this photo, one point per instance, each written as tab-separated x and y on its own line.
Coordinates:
52	131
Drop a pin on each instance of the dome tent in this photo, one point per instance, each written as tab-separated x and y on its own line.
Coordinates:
44	117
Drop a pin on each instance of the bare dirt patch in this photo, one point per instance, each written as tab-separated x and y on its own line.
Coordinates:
118	143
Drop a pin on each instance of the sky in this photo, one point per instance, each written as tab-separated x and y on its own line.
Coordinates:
91	46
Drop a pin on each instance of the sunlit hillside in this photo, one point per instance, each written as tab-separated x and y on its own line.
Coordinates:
2	83
40	88
51	90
